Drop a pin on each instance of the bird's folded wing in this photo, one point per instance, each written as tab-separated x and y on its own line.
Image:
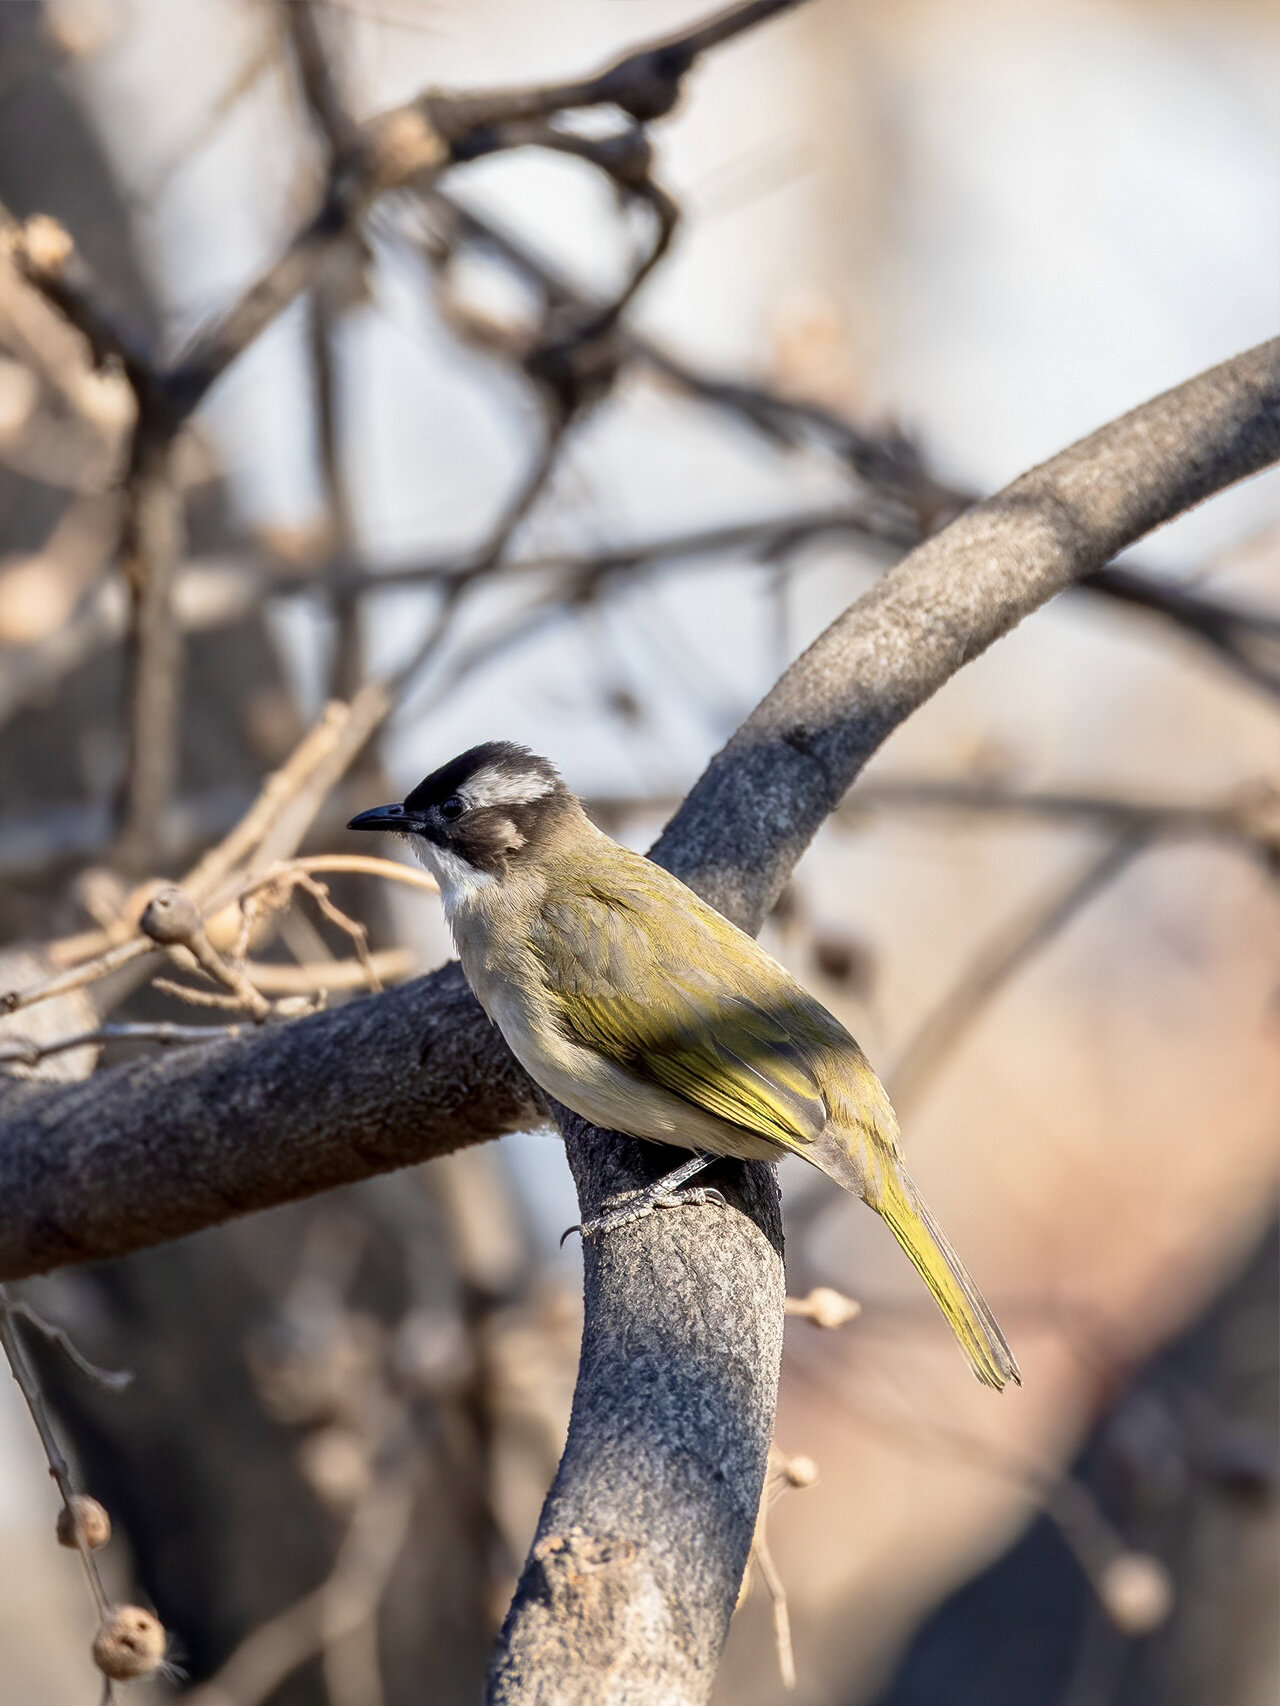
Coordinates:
738	1053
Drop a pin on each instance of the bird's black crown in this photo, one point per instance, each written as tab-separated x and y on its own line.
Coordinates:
498	772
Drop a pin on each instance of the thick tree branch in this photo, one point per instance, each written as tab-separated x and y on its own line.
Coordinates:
644	1536
167	1145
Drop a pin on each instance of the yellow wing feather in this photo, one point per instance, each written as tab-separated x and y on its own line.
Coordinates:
740	1041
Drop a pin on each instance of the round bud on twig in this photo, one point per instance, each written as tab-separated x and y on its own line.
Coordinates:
1136	1591
825	1307
170	917
83	1519
800	1471
130	1642
46	244
335	1465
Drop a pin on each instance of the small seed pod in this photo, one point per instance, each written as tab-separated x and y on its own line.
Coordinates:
1136	1592
83	1518
170	917
800	1471
48	245
335	1465
130	1642
825	1307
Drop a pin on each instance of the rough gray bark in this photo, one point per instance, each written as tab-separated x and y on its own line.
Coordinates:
626	1595
629	1588
167	1145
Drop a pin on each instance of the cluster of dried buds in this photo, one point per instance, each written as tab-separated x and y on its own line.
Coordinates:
130	1641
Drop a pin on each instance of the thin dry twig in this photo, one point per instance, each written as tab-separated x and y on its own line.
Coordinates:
277	893
783	1473
267	833
358	864
401	681
151	550
59	1468
27	1051
907	502
113	1380
320	977
290	799
990	969
100	965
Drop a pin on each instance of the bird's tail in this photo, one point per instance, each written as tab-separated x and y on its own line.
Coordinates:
945	1274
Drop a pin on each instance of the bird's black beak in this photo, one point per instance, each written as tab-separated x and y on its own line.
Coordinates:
384	817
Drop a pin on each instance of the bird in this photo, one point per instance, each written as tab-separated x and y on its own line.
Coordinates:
638	1006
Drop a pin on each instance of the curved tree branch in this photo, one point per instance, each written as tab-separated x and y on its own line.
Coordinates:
629	1586
762	798
632	1578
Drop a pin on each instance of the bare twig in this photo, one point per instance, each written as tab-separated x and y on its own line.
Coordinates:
940	1033
267	833
151	542
315	74
152	547
113	1380
60	1470
401	681
346	670
385	965
290	796
771	1576
100	965
355	864
27	1051
910	502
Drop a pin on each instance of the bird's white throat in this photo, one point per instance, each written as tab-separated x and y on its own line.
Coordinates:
459	881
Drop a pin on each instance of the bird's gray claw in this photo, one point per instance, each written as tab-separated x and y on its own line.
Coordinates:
643	1203
569	1232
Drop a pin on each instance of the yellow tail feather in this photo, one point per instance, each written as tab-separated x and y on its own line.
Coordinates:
945	1275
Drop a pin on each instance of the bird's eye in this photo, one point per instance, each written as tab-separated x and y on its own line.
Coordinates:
452	808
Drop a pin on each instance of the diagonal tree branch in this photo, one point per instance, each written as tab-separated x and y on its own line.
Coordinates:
635	1569
760	801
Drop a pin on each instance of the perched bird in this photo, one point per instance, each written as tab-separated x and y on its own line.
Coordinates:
637	1005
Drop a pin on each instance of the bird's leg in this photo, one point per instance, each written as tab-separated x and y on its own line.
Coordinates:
662	1193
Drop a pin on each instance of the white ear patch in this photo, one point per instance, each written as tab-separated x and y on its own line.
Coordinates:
499	785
